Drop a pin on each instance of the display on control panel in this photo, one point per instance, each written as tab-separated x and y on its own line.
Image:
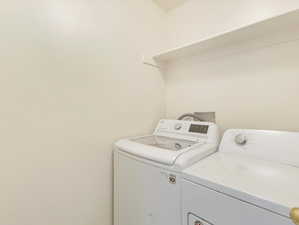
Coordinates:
195	128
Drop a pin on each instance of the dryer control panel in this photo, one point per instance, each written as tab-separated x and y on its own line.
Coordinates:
277	146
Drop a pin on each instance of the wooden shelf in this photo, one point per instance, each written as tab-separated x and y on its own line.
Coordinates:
274	31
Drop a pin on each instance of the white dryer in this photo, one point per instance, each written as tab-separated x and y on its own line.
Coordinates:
147	169
253	179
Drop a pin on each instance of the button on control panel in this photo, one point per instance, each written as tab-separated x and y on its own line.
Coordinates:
178	126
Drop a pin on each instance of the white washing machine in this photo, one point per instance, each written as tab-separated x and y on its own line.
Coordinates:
252	179
147	169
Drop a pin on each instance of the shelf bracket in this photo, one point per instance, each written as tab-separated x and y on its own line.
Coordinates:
150	64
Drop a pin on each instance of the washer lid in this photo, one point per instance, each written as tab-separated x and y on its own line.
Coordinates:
171	139
164	143
163	150
269	185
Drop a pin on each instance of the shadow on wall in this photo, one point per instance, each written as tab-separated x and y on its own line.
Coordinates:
252	89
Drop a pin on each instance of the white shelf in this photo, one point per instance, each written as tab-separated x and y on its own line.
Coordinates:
277	30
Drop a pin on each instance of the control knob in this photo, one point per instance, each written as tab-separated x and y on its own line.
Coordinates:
240	139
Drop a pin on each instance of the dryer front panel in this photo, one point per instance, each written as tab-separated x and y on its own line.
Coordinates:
212	207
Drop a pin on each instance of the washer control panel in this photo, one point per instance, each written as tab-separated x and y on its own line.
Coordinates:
187	127
191	130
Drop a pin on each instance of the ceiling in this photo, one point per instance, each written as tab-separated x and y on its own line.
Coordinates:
169	4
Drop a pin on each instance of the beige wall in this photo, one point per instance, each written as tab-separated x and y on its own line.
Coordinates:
252	89
71	82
